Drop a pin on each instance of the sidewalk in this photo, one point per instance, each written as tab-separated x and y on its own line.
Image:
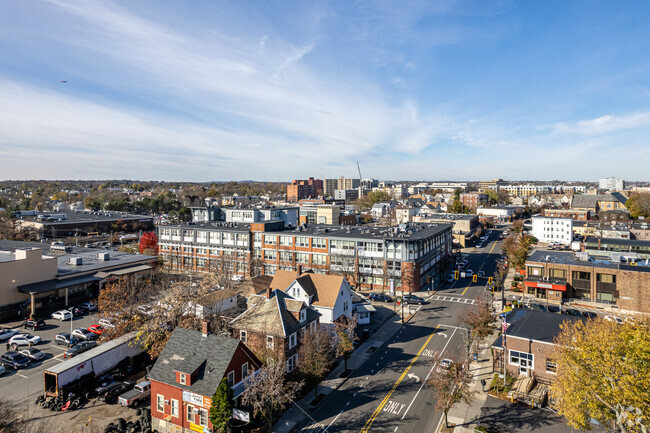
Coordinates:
464	415
299	411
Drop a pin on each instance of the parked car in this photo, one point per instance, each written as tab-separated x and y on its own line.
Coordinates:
96	329
77	311
380	297
24	340
139	393
110	396
444	365
573	312
469	273
481	274
78	348
14	360
614	319
5	334
589	314
84	334
33	354
62	315
413	299
106	323
554	309
34	324
65	339
90	307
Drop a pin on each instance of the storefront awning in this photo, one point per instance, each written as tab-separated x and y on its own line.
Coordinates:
549	286
52	285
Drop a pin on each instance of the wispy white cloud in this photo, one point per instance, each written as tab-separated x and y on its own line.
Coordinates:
604	124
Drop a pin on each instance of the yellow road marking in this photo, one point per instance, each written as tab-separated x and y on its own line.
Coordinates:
480	269
366	427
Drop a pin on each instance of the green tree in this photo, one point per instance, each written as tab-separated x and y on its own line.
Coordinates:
638	205
373	197
603	373
222	406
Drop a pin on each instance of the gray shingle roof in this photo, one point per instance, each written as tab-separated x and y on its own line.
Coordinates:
186	351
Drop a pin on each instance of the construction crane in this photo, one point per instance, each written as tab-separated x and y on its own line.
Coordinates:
360	181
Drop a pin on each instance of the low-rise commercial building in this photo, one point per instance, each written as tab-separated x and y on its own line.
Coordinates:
553	230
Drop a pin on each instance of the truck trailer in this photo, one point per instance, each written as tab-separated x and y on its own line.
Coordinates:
83	368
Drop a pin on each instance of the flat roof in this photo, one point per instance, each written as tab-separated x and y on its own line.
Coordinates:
569	258
613	241
85	216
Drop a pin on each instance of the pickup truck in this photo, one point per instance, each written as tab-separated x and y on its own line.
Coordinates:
132	398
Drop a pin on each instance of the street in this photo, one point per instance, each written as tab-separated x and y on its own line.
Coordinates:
388	392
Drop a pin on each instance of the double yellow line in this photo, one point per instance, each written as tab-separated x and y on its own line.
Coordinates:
366	427
483	264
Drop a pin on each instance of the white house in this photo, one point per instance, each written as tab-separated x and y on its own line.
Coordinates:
330	295
551	229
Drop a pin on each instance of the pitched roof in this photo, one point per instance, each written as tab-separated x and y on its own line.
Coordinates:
324	289
273	316
187	350
590	200
536	325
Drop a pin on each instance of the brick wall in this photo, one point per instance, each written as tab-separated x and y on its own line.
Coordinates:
541	353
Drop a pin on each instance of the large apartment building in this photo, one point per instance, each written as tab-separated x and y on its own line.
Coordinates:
301	189
407	258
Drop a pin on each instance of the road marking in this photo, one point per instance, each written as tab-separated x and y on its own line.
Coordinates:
412	376
429	374
428	353
355	394
347	404
22	375
394	407
396	428
330	425
368	424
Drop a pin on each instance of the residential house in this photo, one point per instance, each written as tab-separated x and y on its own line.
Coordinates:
273	327
382	209
330	295
187	374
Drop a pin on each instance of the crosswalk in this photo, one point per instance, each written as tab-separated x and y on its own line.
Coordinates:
453	299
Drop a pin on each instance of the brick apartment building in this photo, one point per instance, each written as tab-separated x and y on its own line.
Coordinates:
529	344
473	200
187	374
559	276
575	214
370	257
301	189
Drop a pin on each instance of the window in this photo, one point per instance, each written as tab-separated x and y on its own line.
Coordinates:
243	336
292	340
174	408
189	416
160	403
291	363
302	258
302	241
318	243
319	259
286	241
271	239
204	417
286	256
551	365
244	370
517	358
606	278
557	273
182	378
269	342
231	378
270	255
303	315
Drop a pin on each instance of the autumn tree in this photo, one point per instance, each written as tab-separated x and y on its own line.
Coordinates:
638	205
222	406
451	385
517	248
149	244
480	320
373	197
603	373
346	336
315	356
267	391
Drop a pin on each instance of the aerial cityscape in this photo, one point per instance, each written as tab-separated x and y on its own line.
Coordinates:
325	216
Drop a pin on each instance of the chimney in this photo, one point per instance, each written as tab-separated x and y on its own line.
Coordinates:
298	270
205	328
269	291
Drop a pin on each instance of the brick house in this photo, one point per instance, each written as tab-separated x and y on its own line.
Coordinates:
529	344
187	374
272	327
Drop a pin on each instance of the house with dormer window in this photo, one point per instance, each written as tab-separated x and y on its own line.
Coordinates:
330	295
187	374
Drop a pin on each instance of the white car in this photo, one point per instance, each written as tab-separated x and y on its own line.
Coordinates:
62	315
7	333
83	334
445	364
469	273
614	319
107	323
24	340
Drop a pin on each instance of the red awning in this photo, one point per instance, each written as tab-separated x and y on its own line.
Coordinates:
549	286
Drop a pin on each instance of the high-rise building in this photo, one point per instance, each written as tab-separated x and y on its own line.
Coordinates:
611	184
300	189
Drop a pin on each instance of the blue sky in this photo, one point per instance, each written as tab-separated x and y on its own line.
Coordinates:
278	90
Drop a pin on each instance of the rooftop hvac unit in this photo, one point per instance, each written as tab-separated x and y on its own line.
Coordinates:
104	256
76	261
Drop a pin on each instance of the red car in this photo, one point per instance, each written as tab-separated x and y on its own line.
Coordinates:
96	329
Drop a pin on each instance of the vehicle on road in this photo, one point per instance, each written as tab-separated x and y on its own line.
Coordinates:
137	395
444	365
469	273
107	323
65	339
96	329
89	306
413	299
33	354
62	315
84	334
34	324
481	274
14	360
6	334
110	396
24	340
380	297
78	348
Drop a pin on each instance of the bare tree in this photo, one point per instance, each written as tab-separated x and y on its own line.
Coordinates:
451	384
346	336
480	321
267	391
315	355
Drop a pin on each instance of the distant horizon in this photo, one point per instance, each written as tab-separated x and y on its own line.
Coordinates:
426	89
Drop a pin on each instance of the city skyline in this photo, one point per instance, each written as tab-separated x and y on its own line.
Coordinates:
281	91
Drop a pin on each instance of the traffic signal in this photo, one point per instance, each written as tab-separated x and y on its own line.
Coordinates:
489	280
475	278
455	275
429	279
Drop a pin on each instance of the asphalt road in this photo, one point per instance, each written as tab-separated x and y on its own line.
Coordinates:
24	385
387	393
